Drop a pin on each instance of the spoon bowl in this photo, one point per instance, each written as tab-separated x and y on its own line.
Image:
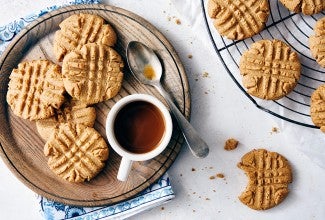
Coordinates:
142	58
147	69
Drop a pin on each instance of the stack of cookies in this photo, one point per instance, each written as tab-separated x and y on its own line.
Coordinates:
59	99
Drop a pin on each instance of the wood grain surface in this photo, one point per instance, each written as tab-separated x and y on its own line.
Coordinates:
22	147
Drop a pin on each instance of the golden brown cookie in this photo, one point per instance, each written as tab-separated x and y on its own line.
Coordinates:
270	69
308	7
76	152
240	19
317	42
80	29
93	73
35	89
269	174
317	107
70	111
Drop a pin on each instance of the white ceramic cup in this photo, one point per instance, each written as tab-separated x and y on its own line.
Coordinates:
127	156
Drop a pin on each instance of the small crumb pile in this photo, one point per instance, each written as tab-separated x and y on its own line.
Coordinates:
205	74
218	175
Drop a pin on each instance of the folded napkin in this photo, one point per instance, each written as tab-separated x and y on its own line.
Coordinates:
157	194
311	143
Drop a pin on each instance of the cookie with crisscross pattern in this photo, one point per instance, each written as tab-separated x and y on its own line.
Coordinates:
93	73
71	111
240	19
317	42
270	69
269	174
35	89
80	29
76	152
317	107
308	7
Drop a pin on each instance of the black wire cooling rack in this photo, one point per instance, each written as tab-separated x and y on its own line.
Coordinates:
292	28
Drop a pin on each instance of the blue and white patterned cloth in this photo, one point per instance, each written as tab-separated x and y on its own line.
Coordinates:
157	194
9	31
153	196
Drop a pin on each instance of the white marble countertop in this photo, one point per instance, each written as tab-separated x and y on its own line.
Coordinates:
219	111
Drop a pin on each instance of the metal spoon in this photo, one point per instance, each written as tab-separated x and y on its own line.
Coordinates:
146	67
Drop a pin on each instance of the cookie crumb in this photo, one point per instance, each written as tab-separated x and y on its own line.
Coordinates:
231	144
163	208
214	190
212	177
178	21
190	56
205	74
220	175
275	130
207	198
206	93
196	79
210	168
193	169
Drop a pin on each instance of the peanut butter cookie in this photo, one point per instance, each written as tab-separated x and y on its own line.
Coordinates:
240	19
35	89
76	152
270	69
317	42
93	73
269	174
80	29
317	107
308	7
71	111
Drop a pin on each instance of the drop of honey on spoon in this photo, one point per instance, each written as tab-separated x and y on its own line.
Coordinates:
149	72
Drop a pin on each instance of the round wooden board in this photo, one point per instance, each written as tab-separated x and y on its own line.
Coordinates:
22	147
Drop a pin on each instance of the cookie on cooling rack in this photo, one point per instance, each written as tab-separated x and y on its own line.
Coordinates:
270	69
80	29
269	174
240	19
92	73
317	42
317	107
35	89
307	7
76	152
71	111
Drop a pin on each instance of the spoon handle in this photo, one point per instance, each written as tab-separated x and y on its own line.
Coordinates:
197	146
